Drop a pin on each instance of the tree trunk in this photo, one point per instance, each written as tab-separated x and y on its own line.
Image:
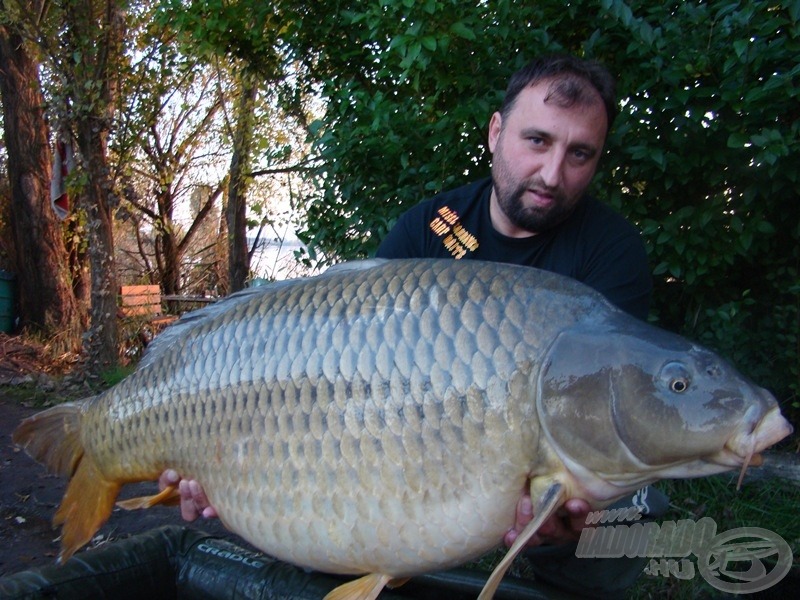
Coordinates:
236	213
94	43
221	261
168	254
46	301
101	339
79	266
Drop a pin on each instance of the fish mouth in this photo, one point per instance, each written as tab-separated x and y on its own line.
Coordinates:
744	448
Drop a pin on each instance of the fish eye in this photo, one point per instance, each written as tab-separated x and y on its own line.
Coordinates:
676	376
679	385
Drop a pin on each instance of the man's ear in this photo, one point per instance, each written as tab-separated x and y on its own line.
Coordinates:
495	126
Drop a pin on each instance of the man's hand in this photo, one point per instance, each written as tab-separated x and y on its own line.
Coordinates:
194	502
562	528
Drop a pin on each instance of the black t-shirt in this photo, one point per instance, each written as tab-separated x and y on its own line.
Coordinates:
595	245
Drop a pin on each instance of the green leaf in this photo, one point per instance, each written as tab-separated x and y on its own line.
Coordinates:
765	227
461	30
740	47
738	139
429	42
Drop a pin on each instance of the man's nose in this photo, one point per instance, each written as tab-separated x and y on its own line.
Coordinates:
552	168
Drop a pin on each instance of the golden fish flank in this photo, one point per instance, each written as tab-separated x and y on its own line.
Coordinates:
384	418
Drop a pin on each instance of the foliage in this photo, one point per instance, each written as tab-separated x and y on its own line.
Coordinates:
701	157
407	107
702	160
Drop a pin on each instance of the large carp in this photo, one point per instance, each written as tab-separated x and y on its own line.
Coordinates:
384	418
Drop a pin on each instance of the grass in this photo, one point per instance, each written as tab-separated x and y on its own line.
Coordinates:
116	374
33	395
769	504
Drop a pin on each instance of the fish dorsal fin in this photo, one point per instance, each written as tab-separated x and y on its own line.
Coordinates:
363	588
175	333
545	507
356	265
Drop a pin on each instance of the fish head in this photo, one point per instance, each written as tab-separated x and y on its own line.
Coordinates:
624	404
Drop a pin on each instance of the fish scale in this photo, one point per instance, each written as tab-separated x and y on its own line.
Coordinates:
384	418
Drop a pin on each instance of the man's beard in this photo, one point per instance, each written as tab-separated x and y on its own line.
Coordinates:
532	219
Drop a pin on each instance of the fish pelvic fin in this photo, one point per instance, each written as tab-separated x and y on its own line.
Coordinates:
169	496
52	437
87	504
546	506
363	588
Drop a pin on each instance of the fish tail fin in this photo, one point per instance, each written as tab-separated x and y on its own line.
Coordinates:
53	438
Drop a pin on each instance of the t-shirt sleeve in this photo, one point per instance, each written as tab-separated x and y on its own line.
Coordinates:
406	239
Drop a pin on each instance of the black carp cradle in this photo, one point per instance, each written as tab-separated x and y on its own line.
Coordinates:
385	417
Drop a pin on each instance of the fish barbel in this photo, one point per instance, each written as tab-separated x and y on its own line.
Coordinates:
384	418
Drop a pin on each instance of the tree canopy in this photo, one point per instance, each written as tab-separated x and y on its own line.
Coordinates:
702	157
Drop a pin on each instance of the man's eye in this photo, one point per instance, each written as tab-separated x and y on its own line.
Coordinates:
582	155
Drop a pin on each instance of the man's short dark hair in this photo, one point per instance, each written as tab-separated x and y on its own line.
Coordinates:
570	77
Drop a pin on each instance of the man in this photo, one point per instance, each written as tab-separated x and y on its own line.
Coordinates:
546	142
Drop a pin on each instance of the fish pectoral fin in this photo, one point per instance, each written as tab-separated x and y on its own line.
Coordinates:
545	507
87	504
169	496
396	583
364	588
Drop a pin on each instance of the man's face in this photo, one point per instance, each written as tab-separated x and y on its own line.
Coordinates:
545	156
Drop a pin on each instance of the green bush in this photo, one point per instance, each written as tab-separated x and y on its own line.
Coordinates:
702	158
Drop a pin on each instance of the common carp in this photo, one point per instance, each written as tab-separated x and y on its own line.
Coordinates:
384	418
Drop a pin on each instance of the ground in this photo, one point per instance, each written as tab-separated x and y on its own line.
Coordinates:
29	496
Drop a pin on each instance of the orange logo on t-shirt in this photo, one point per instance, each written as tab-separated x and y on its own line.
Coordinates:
455	238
